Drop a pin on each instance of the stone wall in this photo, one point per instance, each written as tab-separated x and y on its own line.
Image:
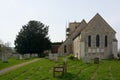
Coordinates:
77	42
76	47
98	26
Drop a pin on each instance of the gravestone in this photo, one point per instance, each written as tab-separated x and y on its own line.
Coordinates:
4	58
65	64
55	57
33	55
27	55
36	55
51	56
86	59
96	60
20	56
65	60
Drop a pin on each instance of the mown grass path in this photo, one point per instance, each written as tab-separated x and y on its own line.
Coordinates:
79	72
12	62
16	66
110	74
95	73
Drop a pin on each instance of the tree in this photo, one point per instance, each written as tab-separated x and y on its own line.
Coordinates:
33	38
5	51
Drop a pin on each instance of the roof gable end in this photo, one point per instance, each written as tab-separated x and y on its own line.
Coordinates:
98	21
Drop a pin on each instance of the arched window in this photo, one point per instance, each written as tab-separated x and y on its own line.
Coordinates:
106	41
89	41
97	40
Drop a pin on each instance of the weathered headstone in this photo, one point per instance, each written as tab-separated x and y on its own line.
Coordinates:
65	60
19	56
51	56
33	55
36	55
86	59
4	58
55	57
28	55
96	60
65	64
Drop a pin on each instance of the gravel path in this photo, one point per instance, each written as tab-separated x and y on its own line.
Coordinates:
16	66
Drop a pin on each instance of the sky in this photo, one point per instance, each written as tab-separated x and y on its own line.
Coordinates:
55	13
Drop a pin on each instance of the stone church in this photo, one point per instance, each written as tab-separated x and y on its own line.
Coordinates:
93	39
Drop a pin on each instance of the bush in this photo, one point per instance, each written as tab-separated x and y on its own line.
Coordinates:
111	56
41	55
71	56
118	55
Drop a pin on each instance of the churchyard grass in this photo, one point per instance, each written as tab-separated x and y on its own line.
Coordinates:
76	70
12	61
108	70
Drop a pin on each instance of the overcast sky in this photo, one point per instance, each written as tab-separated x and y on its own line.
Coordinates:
56	14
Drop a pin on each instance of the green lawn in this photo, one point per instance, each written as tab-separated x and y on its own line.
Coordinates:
11	62
76	70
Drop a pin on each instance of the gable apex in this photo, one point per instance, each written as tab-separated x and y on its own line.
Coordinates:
99	20
98	17
97	14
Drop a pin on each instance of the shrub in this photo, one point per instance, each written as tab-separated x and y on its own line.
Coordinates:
71	56
111	56
118	55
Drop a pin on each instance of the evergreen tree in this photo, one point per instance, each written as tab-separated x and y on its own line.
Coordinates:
33	38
